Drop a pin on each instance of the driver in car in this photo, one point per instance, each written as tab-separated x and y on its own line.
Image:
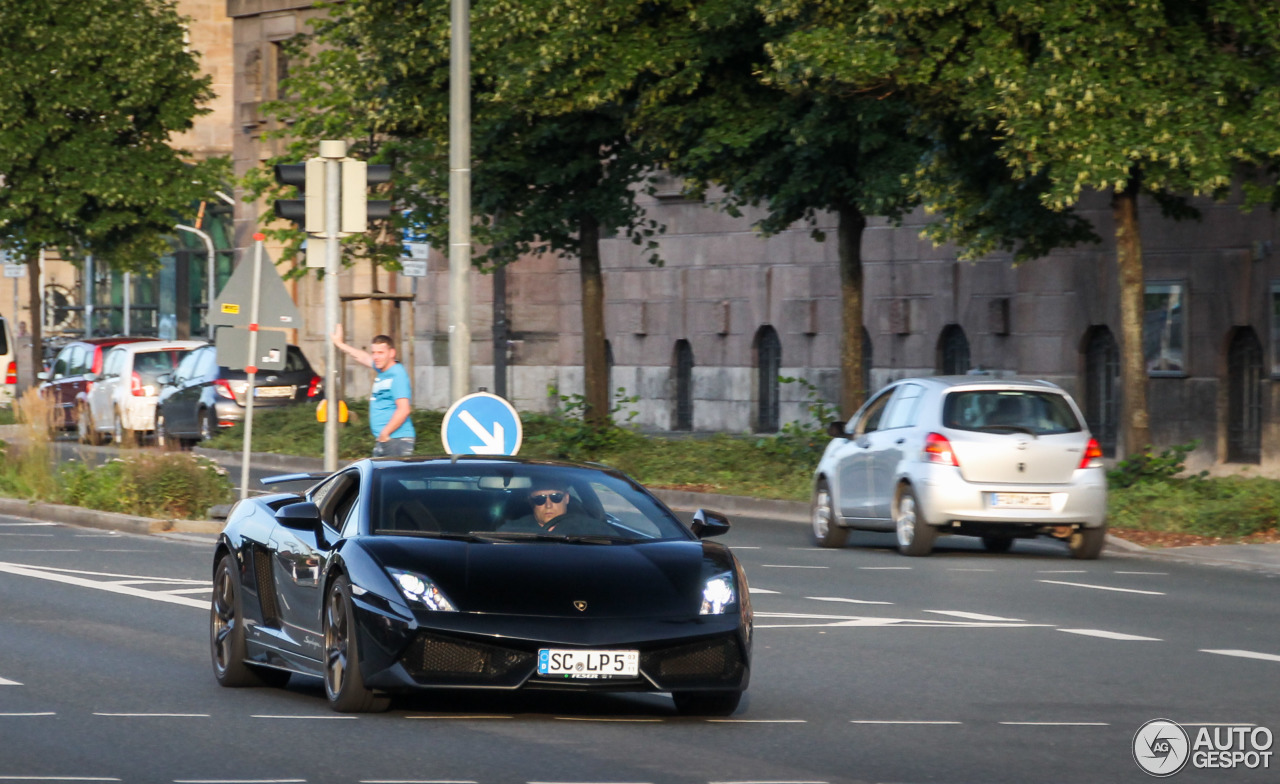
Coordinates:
551	515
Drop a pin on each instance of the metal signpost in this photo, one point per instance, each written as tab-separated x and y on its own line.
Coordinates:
254	296
481	424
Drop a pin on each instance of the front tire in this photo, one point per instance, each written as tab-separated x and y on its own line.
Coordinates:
226	635
1086	543
826	533
343	682
706	703
915	535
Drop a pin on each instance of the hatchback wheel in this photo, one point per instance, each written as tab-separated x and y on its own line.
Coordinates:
915	535
826	533
343	683
1087	543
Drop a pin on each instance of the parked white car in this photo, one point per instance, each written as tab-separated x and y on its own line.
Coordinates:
8	363
121	400
1002	459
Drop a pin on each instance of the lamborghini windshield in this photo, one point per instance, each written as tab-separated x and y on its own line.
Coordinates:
515	502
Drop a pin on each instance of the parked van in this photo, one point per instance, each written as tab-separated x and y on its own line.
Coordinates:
8	363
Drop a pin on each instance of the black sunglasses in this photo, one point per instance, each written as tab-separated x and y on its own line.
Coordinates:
541	498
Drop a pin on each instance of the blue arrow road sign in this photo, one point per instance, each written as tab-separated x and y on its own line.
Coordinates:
481	424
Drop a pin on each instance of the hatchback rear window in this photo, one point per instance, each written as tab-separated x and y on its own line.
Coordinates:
1036	412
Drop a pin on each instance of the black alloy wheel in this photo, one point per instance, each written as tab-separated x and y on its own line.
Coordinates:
343	683
226	635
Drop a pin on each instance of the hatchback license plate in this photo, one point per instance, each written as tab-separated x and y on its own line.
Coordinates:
1020	500
588	664
273	391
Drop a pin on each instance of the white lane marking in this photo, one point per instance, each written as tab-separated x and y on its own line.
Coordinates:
1056	723
6	533
7	682
761	591
897	721
39	550
154	715
885	568
1103	587
974	616
26	715
757	721
741	547
319	718
793	566
864	621
1062	571
1159	574
838	599
607	720
27	525
239	781
1244	654
1111	635
55	778
49	574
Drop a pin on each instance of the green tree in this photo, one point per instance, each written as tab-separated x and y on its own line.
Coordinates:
379	71
1161	98
91	94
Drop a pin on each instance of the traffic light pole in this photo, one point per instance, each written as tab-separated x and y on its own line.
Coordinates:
333	152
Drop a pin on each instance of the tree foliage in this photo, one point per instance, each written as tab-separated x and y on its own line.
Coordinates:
92	92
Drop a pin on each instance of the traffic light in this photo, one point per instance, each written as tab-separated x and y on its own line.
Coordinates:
356	208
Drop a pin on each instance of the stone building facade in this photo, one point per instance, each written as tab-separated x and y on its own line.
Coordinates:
702	339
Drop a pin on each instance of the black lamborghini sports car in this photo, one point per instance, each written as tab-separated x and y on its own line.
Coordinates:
400	574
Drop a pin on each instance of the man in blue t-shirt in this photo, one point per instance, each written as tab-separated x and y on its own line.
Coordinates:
389	403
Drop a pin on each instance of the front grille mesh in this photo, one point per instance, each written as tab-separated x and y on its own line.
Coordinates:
710	660
442	659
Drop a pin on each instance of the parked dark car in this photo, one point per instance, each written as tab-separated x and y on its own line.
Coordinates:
201	396
64	383
403	575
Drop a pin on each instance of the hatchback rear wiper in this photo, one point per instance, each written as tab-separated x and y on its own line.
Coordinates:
1014	428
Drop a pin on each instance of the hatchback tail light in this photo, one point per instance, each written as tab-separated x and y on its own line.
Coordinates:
1092	455
223	388
11	375
315	387
937	449
135	385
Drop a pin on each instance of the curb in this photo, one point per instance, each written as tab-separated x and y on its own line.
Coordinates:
108	521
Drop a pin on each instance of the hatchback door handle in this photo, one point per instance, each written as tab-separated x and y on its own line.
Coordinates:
900	441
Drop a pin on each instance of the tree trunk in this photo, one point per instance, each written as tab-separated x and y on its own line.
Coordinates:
1135	428
852	391
595	371
35	297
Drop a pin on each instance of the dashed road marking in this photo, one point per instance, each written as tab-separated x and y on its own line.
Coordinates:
1103	587
1244	654
974	616
762	591
609	720
154	715
1159	574
838	599
793	566
1111	635
885	568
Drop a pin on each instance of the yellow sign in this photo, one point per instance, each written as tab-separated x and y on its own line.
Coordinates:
229	307
322	411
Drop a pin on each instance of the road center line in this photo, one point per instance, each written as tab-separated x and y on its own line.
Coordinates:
125	590
154	715
1103	587
1244	654
25	715
1111	635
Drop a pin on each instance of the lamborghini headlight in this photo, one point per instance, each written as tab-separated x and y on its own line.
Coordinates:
718	594
421	590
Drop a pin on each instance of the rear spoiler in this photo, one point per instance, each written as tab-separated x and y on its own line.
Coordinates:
306	477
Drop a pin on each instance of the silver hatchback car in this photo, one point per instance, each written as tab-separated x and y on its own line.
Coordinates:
997	458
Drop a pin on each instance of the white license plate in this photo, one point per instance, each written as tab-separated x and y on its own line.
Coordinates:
1020	500
273	391
588	664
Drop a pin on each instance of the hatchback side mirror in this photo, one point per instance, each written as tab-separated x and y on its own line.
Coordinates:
42	375
91	376
708	523
300	516
163	379
836	430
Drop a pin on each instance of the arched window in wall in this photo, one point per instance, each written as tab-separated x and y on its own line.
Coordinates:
1244	406
769	367
684	386
1101	387
953	351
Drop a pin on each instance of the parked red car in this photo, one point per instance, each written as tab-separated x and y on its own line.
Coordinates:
65	385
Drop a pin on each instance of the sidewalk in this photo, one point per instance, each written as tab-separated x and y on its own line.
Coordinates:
1253	557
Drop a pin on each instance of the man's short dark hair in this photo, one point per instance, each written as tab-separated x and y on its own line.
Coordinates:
384	340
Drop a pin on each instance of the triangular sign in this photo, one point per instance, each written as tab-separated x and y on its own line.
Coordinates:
275	306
